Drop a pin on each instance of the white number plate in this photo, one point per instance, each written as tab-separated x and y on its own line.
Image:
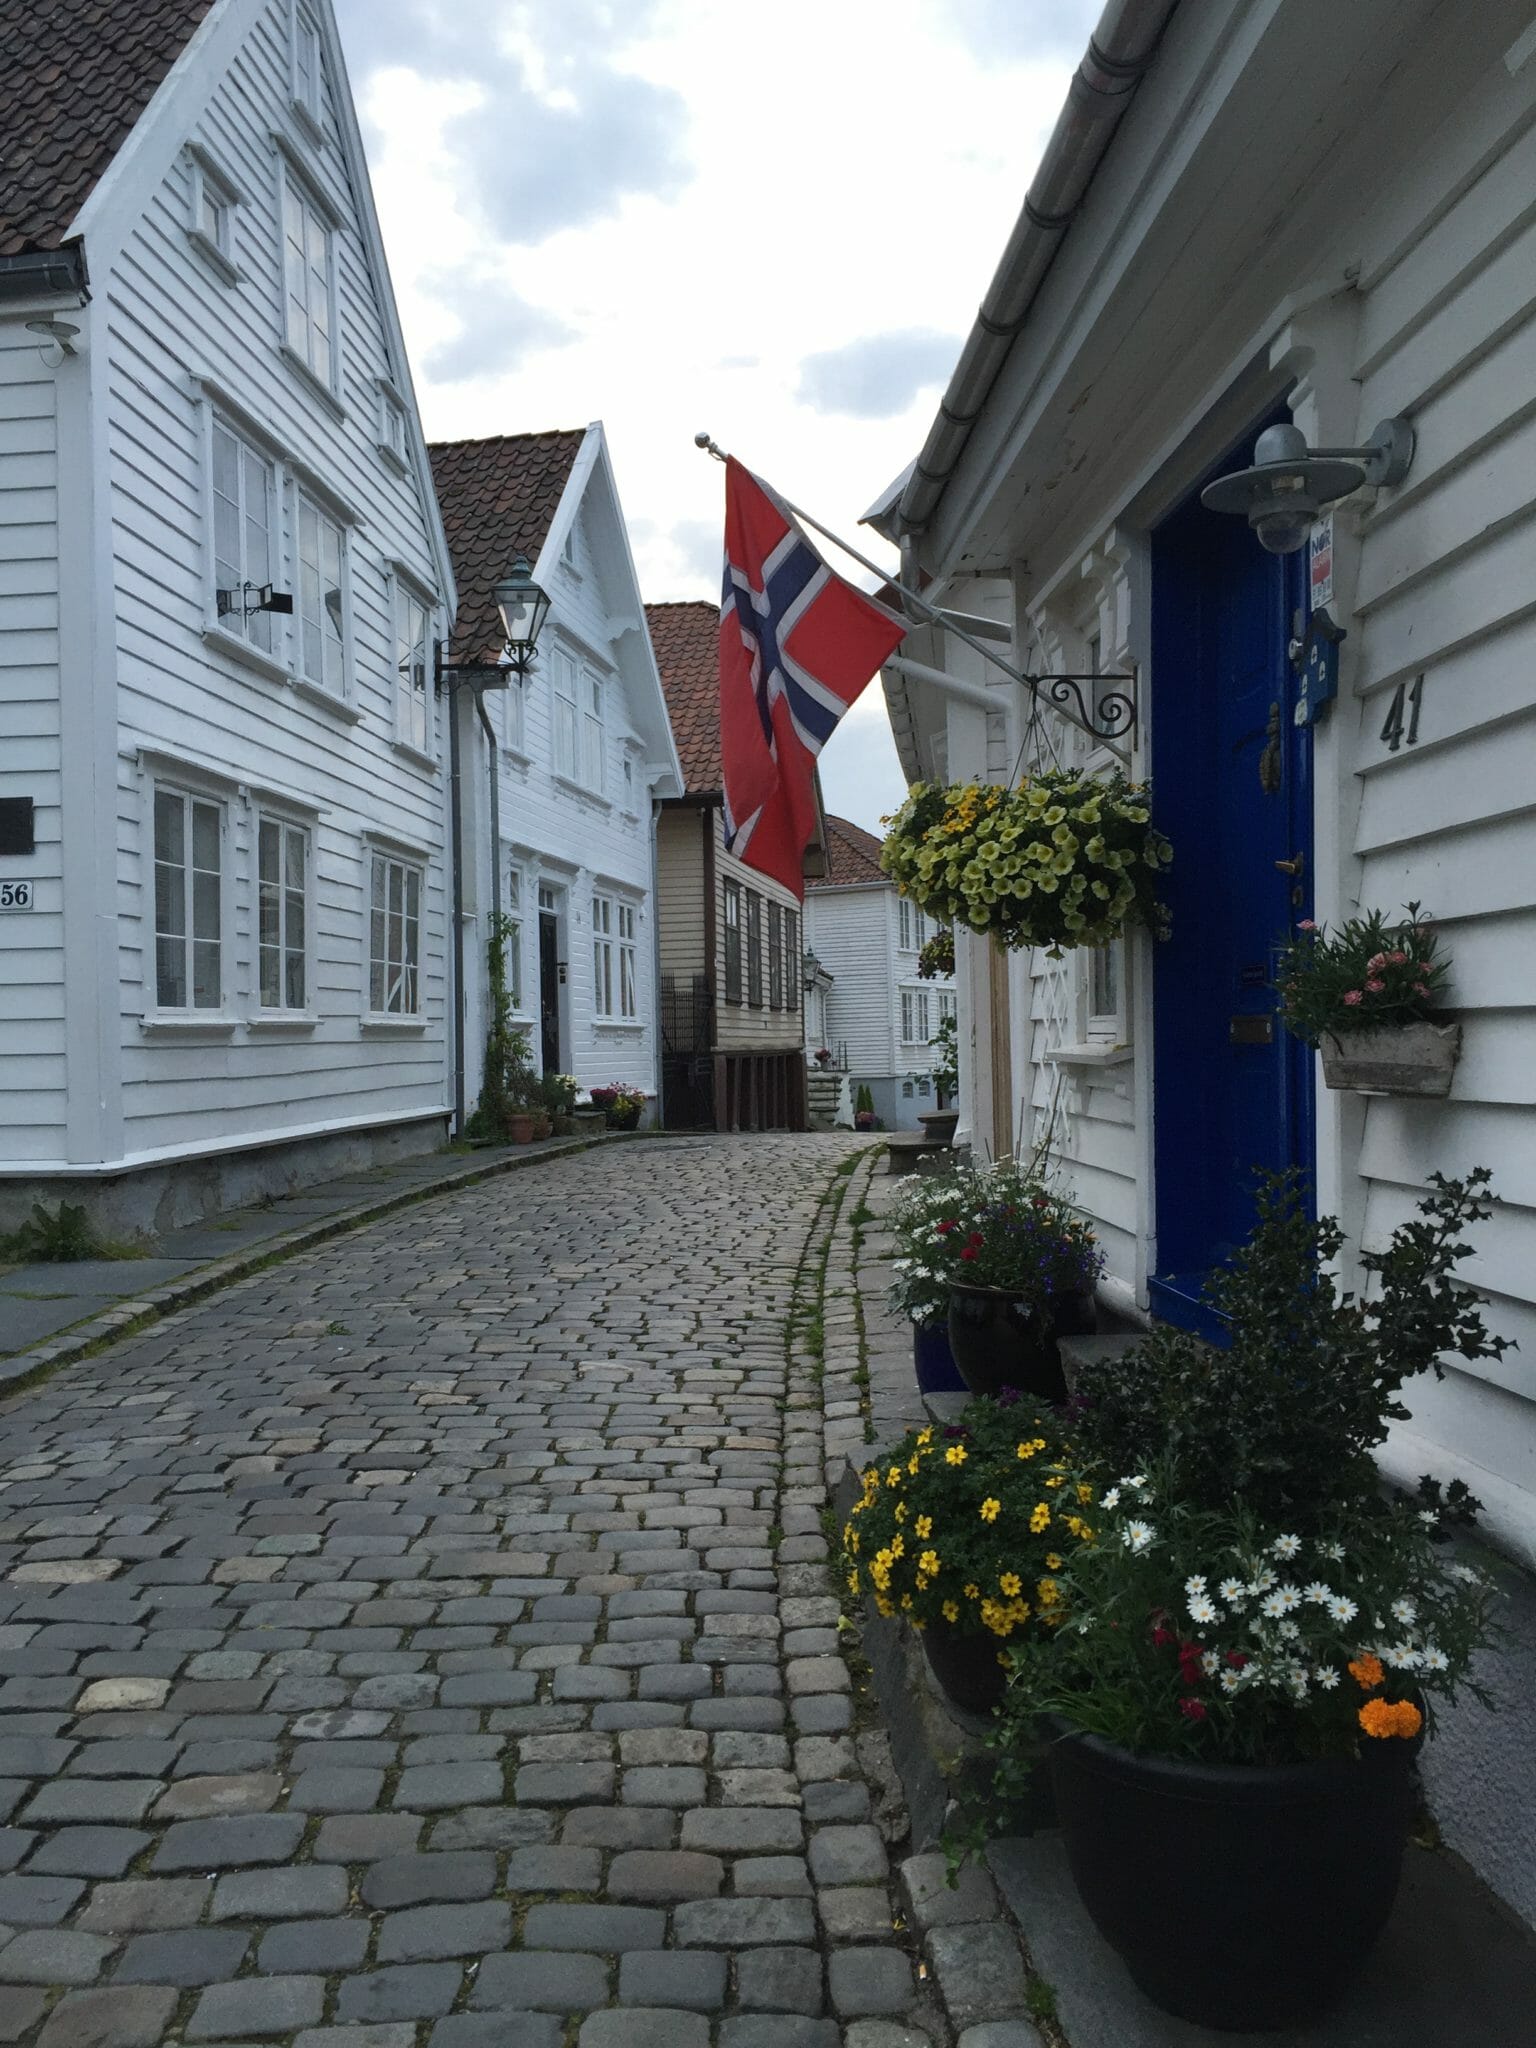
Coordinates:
16	896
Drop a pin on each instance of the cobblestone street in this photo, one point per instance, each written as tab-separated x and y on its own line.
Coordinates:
427	1642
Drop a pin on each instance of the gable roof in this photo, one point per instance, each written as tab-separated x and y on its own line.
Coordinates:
686	639
77	76
498	496
853	856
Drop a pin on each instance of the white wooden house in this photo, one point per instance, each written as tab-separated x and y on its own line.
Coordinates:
583	755
1252	212
222	885
878	1016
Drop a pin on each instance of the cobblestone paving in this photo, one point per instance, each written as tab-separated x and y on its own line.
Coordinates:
425	1644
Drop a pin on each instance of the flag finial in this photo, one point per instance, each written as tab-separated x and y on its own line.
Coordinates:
702	440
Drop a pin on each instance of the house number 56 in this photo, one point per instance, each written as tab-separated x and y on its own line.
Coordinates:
1394	731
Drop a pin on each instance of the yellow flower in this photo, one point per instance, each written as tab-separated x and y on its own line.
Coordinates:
906	1601
851	1538
921	1582
1059	1479
1053	1561
912	1464
990	1509
893	1477
1011	1584
955	1455
924	1525
951	1610
1084	1491
901	1511
898	1546
1027	1450
972	1592
929	1563
1040	1518
925	1436
1048	1593
853	1582
883	1607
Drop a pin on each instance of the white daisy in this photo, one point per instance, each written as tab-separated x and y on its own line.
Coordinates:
1138	1480
1289	1596
1434	1659
1137	1536
1194	1585
1203	1608
1401	1656
1263	1579
1210	1663
1342	1609
1233	1591
1466	1574
1231	1680
1273	1606
1286	1546
1405	1612
1326	1677
1289	1630
1111	1499
1318	1593
1429	1518
1296	1679
1333	1551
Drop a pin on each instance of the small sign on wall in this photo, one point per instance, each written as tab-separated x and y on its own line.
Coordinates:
16	896
1320	562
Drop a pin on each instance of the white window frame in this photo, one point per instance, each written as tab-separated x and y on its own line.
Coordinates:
308	105
337	689
604	976
516	884
190	797
628	921
913	926
565	714
257	635
415	707
1104	1023
210	185
293	188
401	972
594	731
916	1021
287	829
394	427
514	718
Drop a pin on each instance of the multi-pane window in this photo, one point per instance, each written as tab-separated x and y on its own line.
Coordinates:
775	956
629	976
213	211
1104	990
394	938
754	949
514	715
732	922
243	492
189	836
514	936
791	960
282	875
945	998
392	427
603	978
413	660
593	732
914	1016
321	649
914	926
566	715
308	321
308	67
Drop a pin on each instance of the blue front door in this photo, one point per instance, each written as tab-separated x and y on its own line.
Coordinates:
1232	789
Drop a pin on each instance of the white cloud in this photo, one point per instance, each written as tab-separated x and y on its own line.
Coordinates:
878	376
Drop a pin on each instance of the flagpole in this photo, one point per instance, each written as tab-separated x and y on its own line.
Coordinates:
935	616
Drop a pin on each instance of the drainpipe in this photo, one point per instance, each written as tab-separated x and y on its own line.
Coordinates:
1119	53
491	742
456	831
657	1063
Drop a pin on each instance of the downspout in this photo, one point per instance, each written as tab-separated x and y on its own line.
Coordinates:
1119	53
659	1064
491	742
456	831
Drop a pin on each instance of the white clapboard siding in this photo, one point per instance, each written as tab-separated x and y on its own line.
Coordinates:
738	1026
172	319
31	942
680	886
853	934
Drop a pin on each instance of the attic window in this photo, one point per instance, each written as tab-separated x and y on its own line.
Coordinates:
392	427
308	72
211	214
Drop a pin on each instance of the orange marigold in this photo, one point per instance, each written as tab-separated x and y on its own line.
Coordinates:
1383	1718
1367	1672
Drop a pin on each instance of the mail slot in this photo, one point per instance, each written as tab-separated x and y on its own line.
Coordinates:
1251	1030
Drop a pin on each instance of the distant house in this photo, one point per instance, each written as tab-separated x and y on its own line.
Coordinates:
222	810
733	1054
582	754
877	1016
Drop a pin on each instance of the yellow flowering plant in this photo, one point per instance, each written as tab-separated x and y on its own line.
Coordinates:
967	1527
1064	860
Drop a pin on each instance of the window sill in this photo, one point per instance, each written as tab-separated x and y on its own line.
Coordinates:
385	1026
417	756
283	1020
317	385
517	757
1104	1054
189	1024
307	123
214	257
580	789
393	459
257	658
618	1024
325	699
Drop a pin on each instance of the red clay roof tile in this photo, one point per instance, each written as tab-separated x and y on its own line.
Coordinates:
686	640
498	497
853	855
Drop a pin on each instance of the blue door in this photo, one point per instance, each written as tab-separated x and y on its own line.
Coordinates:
1232	788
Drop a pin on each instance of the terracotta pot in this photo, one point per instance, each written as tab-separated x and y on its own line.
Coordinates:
1238	1897
520	1127
1405	1059
965	1667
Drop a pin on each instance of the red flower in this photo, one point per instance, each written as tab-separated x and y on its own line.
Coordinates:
1237	1659
968	1251
947	1226
1192	1710
1160	1636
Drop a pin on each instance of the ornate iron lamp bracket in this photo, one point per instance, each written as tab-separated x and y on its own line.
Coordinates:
1103	714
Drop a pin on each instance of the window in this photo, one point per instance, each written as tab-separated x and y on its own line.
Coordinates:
914	927
189	845
914	1016
394	938
413	661
394	437
791	960
321	606
629	977
594	735
945	998
602	956
629	780
754	949
282	893
514	716
211	221
1104	991
515	938
733	942
308	318
775	956
308	69
244	488
566	717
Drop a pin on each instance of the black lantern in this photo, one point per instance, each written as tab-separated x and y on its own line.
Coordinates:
523	607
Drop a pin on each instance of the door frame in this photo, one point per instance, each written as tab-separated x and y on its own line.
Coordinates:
554	918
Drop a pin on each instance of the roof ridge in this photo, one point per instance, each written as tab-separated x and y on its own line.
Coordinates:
529	434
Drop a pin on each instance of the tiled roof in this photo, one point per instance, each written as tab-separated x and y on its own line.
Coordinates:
498	498
853	855
686	639
75	77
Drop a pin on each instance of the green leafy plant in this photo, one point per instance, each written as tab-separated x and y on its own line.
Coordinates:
619	1101
1364	974
58	1236
1285	1417
508	1083
964	1527
944	1047
1065	860
936	960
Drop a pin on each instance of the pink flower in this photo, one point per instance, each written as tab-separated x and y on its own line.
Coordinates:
1353	996
1306	925
1376	963
1374	987
1419	989
1397	958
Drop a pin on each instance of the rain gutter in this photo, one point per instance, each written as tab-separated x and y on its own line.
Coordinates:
1119	53
42	273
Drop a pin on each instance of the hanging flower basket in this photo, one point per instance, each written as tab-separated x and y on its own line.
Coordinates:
1064	860
1367	995
1410	1059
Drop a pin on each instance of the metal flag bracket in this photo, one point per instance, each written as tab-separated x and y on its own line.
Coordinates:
1105	715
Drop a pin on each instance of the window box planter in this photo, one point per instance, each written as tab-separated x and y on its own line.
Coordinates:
1403	1059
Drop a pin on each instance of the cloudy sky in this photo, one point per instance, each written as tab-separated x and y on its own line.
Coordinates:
771	221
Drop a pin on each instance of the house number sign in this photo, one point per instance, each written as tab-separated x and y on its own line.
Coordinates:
16	896
1395	730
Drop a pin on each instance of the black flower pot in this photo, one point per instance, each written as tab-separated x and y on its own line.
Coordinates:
1238	1897
999	1341
933	1360
965	1667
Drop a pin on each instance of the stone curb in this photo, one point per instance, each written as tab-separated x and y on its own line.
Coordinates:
85	1339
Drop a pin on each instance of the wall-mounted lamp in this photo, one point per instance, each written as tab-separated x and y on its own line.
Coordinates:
523	607
246	598
1289	483
60	332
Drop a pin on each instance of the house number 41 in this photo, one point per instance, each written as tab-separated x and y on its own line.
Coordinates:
1394	730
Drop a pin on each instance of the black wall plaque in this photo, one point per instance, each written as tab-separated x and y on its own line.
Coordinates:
16	830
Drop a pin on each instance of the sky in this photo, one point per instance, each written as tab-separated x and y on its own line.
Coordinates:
772	222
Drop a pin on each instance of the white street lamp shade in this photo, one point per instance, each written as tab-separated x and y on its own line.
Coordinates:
523	607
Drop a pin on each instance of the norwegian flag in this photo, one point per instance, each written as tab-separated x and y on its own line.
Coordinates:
797	645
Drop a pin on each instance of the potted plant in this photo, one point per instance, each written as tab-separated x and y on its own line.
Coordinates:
509	1086
1255	1640
936	958
823	1058
621	1103
863	1108
920	1290
1021	1265
960	1531
1367	995
1065	860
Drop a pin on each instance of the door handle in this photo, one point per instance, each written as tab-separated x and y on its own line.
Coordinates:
1296	865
